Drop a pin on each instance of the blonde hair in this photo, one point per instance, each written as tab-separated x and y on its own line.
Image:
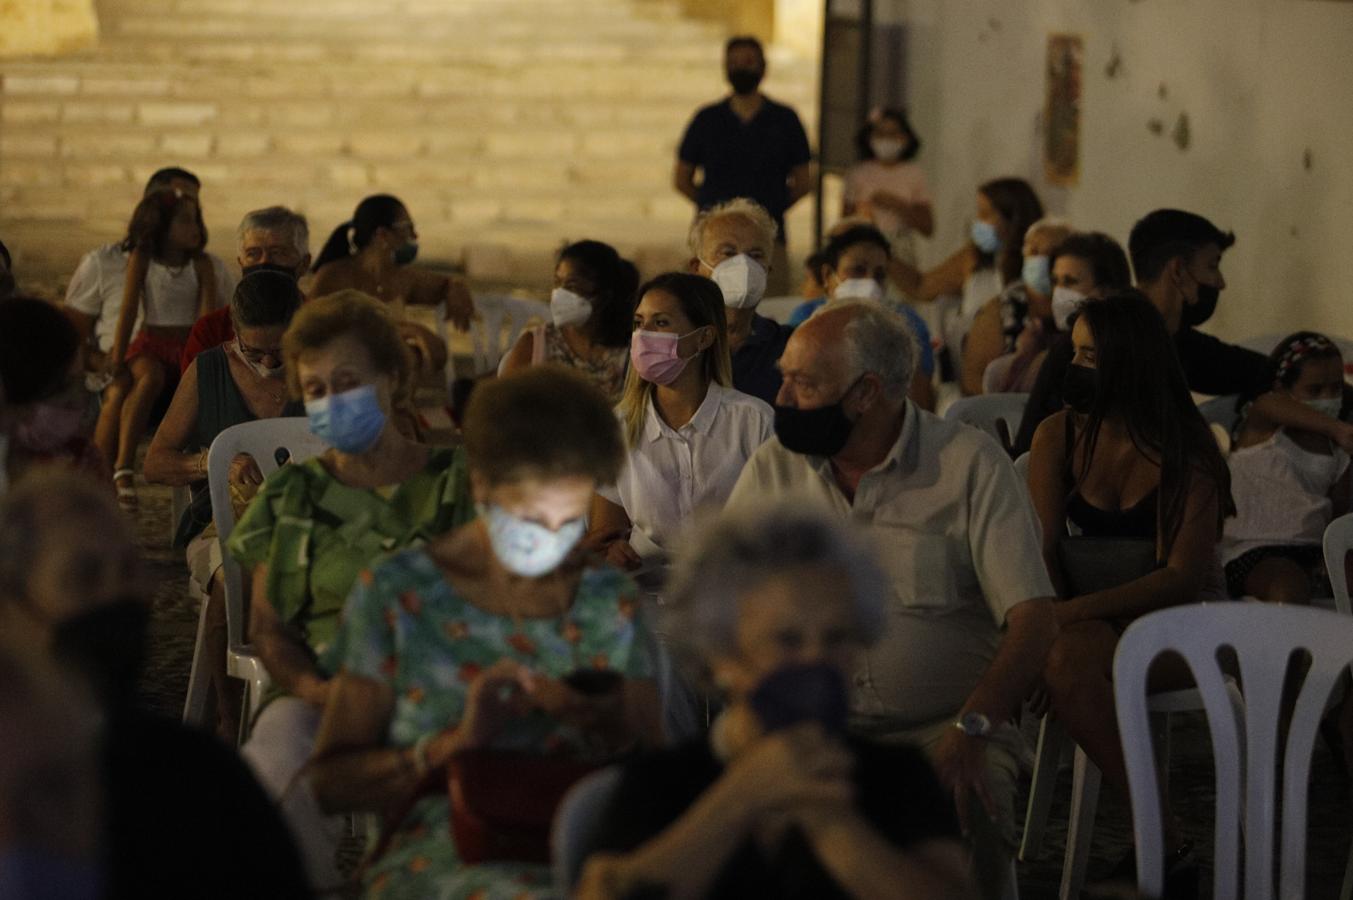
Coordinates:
739	207
702	302
349	312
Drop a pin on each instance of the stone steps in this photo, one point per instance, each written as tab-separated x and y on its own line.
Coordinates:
506	125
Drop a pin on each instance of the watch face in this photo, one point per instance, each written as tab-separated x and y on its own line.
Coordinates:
975	724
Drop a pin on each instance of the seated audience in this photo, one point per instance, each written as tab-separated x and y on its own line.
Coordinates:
688	431
1020	312
1288	483
1130	457
50	413
50	791
1087	264
274	239
315	524
732	243
498	641
152	285
988	261
1176	256
180	808
591	309
228	384
945	507
887	186
854	266
373	253
778	604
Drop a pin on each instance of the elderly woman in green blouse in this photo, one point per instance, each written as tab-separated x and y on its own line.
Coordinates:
314	525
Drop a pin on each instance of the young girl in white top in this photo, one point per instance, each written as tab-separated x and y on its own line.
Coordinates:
688	431
887	186
1287	484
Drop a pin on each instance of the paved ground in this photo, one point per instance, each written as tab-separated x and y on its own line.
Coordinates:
175	621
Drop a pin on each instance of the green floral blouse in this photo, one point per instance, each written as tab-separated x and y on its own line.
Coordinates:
407	628
316	534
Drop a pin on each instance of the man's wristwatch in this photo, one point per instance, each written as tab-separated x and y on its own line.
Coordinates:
973	724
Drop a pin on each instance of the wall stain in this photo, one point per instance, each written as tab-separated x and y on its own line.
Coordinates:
1306	160
1156	127
1181	134
1114	65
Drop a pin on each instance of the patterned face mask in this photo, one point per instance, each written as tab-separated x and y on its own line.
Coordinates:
529	549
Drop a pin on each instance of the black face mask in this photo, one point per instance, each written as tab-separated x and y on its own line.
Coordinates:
815	432
106	645
745	81
1195	314
246	271
805	692
1078	388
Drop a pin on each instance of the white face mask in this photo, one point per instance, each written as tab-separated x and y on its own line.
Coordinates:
858	289
741	279
1065	301
568	308
886	149
1330	406
258	368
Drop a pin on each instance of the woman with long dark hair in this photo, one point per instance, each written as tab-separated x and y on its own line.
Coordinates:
372	252
591	308
1130	458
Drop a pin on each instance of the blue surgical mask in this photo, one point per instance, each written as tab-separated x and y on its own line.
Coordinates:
984	235
1037	274
351	421
526	548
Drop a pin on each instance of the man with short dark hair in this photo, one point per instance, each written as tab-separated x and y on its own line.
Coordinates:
747	145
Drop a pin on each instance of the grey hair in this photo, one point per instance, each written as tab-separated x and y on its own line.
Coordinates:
743	549
739	206
878	340
278	219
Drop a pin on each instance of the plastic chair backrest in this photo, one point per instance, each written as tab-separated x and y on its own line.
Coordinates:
1220	411
1338	542
575	823
486	331
262	439
985	410
1264	638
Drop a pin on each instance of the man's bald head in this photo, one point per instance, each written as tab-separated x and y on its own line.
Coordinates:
839	345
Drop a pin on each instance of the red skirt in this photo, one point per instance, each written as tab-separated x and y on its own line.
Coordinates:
167	350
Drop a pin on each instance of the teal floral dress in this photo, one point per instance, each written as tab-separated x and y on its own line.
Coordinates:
407	628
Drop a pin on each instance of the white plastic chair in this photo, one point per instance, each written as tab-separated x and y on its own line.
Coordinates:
984	411
264	440
1264	638
575	823
1338	542
492	312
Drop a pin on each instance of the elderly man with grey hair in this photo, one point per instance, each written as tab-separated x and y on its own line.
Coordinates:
777	603
272	239
733	244
970	619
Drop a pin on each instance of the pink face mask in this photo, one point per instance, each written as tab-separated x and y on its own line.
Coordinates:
48	428
655	357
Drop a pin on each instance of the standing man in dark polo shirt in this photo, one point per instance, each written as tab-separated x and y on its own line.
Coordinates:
731	244
747	145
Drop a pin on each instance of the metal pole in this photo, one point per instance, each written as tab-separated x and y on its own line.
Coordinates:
821	123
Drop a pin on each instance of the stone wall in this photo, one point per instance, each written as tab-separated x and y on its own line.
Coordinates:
46	27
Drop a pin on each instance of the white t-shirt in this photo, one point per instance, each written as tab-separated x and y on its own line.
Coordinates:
904	179
673	473
957	536
170	297
1281	493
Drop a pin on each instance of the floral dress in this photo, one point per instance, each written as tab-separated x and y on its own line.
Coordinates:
607	373
407	628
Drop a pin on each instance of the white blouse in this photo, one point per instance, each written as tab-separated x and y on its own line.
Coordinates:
672	473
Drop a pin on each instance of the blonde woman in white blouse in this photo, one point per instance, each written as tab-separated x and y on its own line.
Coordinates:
688	431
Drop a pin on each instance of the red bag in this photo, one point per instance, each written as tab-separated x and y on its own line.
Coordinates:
503	802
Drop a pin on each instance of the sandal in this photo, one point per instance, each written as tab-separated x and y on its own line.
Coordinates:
126	493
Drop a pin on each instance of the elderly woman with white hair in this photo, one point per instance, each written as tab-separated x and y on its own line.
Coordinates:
775	604
733	244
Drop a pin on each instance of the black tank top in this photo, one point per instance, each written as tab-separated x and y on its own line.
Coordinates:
1138	521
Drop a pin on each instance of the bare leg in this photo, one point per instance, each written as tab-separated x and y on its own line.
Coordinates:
110	416
148	381
1277	579
229	691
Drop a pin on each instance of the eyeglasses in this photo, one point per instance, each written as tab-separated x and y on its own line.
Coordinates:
257	354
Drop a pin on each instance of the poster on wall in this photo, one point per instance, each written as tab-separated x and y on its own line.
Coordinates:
1062	110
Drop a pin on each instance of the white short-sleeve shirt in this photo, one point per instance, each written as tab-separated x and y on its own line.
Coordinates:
958	538
170	298
672	473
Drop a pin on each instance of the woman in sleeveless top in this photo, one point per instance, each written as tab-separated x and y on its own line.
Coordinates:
1130	457
590	312
235	382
